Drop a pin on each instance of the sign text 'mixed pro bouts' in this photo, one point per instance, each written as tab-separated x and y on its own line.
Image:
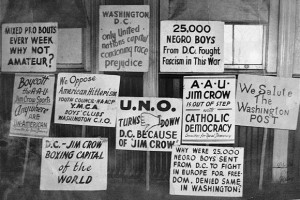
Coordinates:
124	38
192	46
29	47
265	101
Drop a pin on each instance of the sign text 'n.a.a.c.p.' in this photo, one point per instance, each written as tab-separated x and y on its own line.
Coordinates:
148	124
86	99
270	102
124	38
32	105
29	47
192	46
74	164
207	171
208	109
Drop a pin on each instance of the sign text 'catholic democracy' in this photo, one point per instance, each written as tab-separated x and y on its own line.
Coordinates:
208	109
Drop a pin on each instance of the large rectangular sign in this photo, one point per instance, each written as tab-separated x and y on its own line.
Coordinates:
265	101
32	105
207	171
192	46
86	99
124	38
148	124
29	47
208	109
74	164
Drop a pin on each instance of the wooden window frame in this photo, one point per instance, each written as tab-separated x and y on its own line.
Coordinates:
85	64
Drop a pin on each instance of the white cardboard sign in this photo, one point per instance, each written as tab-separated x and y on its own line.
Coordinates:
192	46
148	123
74	164
124	38
86	99
207	171
32	105
270	102
208	109
29	47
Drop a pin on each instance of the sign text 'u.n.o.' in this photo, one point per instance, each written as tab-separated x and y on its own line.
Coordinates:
148	124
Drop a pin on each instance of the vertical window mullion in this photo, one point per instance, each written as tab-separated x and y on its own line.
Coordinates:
233	62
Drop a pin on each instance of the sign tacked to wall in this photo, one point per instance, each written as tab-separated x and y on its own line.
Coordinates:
208	109
192	46
32	105
207	171
264	101
124	38
86	99
29	47
74	164
148	124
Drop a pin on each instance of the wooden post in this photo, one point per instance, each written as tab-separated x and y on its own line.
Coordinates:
286	42
26	160
150	79
262	160
272	37
83	131
92	8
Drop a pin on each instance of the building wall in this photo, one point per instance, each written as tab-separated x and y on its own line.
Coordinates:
128	165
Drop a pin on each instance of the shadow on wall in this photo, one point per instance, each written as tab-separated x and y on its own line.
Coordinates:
12	159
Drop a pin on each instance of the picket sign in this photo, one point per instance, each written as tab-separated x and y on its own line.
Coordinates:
208	109
74	164
268	94
32	47
207	171
17	127
133	46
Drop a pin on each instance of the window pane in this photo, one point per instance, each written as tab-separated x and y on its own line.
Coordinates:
248	44
228	44
69	50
